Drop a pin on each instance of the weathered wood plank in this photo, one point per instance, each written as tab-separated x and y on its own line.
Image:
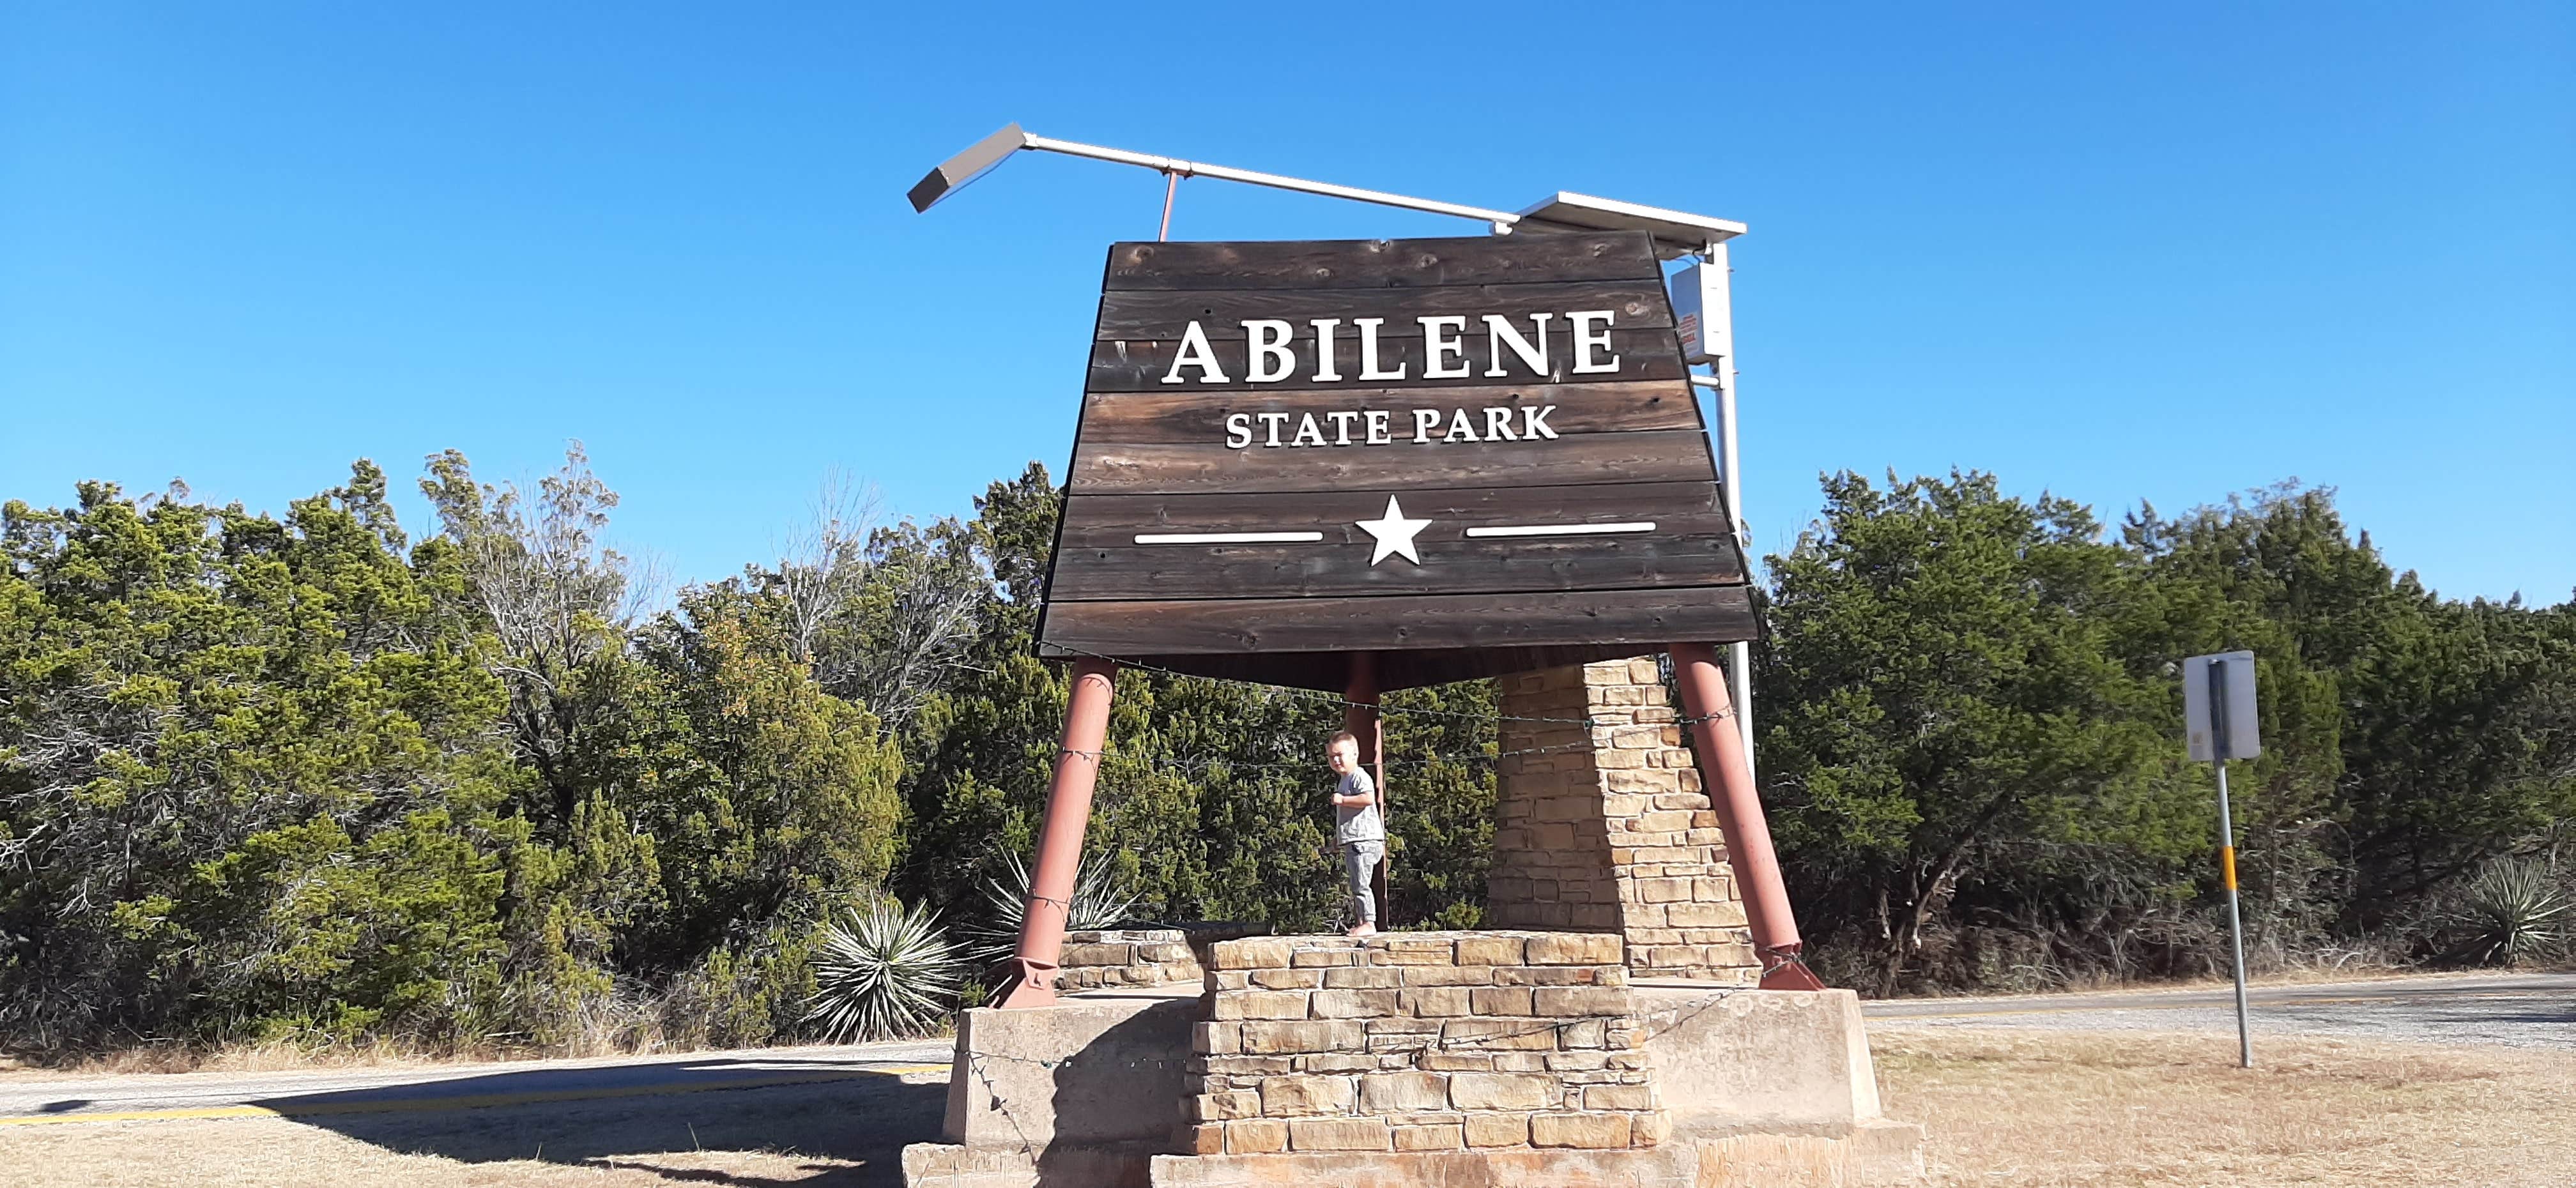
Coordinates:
1100	555
1139	365
1464	507
1637	304
1128	468
1649	619
1182	418
1385	263
1330	671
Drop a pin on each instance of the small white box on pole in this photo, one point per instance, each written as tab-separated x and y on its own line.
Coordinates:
1703	311
2243	731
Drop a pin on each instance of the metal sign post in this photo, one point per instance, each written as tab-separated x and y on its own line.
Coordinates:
1704	313
2218	710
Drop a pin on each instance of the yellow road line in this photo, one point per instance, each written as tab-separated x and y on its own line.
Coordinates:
473	1101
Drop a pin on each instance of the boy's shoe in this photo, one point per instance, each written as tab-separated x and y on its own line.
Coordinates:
1363	930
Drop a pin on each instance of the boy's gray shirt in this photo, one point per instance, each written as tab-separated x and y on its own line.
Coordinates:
1357	824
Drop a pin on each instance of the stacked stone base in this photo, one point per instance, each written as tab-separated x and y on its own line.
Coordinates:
1462	1059
1136	958
1428	1041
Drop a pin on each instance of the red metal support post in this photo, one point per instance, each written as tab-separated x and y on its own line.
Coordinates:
1360	717
1740	819
1068	813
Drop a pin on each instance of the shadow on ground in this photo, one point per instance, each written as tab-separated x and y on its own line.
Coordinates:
854	1124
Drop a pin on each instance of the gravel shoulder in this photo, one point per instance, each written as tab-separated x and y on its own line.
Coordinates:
2535	1010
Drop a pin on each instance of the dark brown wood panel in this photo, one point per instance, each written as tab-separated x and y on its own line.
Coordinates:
1627	446
1650	619
1101	557
1139	365
1385	263
1220	313
1413	668
1124	468
1186	418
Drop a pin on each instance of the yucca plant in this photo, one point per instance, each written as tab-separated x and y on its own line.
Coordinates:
883	972
1099	901
2516	909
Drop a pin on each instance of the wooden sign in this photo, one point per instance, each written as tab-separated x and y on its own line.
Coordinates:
1476	456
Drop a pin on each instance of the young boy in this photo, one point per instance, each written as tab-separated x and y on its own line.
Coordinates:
1357	826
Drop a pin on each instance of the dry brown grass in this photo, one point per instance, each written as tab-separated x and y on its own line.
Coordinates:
246	1058
2041	1109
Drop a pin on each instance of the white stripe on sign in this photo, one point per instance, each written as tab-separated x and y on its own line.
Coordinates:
1145	538
1562	529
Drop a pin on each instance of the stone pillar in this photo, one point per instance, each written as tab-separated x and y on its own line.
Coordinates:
1605	828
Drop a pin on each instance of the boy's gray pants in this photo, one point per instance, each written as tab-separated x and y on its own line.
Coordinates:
1359	861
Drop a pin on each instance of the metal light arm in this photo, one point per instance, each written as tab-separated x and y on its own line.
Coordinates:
990	151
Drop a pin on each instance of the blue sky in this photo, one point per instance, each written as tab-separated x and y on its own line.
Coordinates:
2156	252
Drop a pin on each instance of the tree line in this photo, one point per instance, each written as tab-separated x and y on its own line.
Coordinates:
304	778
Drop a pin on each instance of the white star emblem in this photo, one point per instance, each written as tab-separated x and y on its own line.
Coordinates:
1394	533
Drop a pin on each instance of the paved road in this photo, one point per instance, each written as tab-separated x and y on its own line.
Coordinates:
28	1098
2512	1010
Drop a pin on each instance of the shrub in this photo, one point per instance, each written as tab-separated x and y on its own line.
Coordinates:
1100	900
883	972
2514	911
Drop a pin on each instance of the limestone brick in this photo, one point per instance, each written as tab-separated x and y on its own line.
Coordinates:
1311	1036
1339	1134
1260	1004
1253	952
1498	1035
1503	1091
1225	1106
1445	1061
1337	1062
1432	1001
1583	1033
1620	1097
1261	1137
1297	1095
1497	1130
1579	1130
1489	950
1448	1136
1573	949
1392	1093
1308	958
1451	975
1355	1004
1501	1000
